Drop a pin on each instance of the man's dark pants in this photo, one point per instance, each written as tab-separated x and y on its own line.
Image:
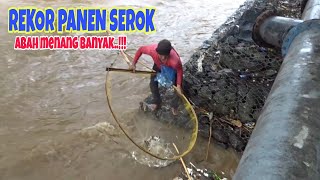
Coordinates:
155	90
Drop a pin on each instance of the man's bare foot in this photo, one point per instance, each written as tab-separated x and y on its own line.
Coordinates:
148	107
153	107
174	111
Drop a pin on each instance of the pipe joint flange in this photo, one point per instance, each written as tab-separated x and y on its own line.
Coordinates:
255	30
295	31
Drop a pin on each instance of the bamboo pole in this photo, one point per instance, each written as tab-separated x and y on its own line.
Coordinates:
128	70
141	62
182	162
208	147
125	58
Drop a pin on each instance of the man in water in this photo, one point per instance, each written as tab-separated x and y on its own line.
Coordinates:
163	54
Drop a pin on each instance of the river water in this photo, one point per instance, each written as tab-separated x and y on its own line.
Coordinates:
54	120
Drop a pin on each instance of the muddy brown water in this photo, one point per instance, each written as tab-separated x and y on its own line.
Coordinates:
54	120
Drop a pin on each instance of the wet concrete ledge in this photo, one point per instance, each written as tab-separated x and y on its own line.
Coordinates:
230	77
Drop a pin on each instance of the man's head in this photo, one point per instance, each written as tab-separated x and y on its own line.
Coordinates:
163	49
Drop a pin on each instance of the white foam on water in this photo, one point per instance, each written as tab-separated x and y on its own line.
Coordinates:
101	129
156	146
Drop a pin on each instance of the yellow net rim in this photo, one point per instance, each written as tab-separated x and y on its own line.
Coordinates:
187	106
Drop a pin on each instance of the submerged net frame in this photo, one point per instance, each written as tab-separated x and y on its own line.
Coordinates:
186	103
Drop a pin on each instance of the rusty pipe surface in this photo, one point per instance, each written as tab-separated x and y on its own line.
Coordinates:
274	29
270	30
285	142
311	10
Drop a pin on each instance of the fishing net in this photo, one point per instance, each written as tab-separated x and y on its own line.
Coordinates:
158	137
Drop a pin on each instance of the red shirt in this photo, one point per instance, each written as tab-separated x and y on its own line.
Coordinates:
173	59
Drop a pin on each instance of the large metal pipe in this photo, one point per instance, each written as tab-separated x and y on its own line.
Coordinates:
311	10
285	143
271	31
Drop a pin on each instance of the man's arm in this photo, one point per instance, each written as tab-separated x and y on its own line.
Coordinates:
141	50
179	75
179	70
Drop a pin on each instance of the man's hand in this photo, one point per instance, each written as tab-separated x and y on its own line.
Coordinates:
133	68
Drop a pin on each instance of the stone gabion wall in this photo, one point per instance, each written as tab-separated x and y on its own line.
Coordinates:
230	76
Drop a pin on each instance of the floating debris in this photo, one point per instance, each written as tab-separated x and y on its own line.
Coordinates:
197	173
